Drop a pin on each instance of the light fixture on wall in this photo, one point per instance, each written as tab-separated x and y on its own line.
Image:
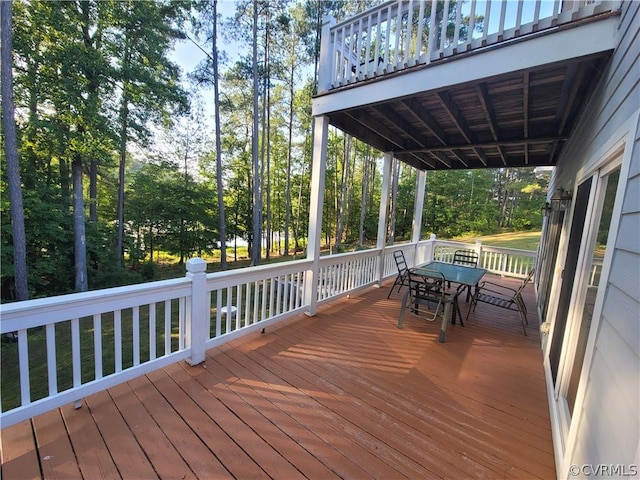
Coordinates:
561	200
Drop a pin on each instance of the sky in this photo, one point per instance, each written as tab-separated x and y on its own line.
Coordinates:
187	55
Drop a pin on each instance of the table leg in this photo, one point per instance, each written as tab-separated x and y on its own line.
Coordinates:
445	320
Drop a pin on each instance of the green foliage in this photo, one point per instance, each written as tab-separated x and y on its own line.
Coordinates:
93	79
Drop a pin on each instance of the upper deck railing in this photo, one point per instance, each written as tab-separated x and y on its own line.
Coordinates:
72	346
401	34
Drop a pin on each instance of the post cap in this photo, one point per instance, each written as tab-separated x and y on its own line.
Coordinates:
196	265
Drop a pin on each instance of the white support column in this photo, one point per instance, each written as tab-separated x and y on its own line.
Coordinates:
382	218
318	171
421	181
198	311
419	205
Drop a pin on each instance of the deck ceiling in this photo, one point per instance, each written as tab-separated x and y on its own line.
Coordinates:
517	119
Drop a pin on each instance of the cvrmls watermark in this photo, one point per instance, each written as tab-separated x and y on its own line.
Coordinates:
604	470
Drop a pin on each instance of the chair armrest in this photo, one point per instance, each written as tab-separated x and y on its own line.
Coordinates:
482	286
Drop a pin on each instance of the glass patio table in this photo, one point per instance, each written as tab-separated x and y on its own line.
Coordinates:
460	274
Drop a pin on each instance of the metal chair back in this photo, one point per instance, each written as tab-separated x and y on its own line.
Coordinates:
465	257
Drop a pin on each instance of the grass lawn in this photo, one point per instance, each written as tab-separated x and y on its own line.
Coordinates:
521	240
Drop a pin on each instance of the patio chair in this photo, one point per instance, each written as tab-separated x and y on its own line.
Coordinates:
465	257
502	297
403	271
427	291
468	258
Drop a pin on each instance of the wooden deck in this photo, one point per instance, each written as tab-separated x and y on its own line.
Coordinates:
344	394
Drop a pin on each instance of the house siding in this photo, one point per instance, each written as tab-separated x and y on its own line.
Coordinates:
605	426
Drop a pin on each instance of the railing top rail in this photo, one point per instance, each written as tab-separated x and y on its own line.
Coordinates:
520	251
259	270
337	257
93	296
366	13
37	312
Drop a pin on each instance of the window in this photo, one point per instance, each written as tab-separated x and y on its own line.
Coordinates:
597	249
569	275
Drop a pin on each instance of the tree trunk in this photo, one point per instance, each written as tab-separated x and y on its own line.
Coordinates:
11	152
79	240
222	227
393	203
266	147
363	200
287	208
257	207
124	127
93	192
121	176
343	192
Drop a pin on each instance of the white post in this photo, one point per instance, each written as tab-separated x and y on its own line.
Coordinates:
417	212
197	324
382	217
478	250
326	68
318	170
432	246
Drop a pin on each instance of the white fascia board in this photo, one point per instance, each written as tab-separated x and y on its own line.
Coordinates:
595	37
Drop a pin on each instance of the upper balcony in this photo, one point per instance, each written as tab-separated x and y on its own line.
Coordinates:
467	84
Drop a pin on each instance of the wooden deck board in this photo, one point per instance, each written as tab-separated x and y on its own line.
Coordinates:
344	394
54	447
202	462
127	454
19	456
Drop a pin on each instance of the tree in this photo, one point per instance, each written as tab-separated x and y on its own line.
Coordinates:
11	152
208	24
147	78
255	160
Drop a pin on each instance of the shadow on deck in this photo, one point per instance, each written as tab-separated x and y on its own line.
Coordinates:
344	394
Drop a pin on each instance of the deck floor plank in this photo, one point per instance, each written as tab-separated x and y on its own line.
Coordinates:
19	457
302	406
54	448
157	448
121	443
195	453
344	394
93	456
219	442
389	400
305	432
256	447
259	421
421	439
391	442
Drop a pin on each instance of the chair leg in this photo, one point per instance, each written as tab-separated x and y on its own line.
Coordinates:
391	289
523	319
456	309
472	306
395	282
404	306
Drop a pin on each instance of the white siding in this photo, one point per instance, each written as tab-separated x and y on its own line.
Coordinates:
608	420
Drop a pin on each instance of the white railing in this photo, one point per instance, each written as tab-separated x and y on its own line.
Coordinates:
74	345
499	260
401	34
347	272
